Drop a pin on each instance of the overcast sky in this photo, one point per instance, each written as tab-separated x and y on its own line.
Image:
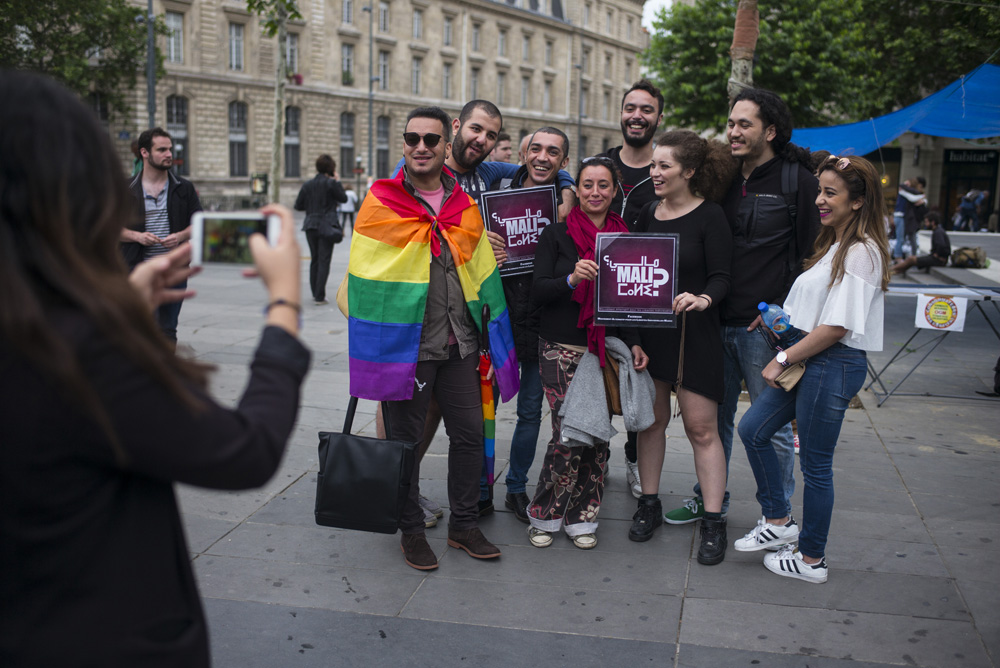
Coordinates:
651	8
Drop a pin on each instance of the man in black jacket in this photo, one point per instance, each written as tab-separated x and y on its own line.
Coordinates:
165	203
642	111
771	208
319	198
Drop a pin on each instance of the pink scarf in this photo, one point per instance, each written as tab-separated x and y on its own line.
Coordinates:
583	232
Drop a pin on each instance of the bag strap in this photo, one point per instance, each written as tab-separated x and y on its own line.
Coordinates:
680	362
352	407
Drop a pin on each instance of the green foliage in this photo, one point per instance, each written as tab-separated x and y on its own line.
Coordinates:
89	45
833	61
268	11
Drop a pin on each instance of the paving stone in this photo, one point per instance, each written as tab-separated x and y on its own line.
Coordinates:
693	656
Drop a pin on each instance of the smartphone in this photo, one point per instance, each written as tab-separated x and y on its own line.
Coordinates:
224	236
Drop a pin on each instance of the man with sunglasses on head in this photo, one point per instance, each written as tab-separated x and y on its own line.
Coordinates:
771	208
425	196
642	111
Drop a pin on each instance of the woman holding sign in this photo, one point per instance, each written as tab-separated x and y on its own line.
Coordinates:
689	172
571	483
837	302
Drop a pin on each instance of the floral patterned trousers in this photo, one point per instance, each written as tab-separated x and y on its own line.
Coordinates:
572	479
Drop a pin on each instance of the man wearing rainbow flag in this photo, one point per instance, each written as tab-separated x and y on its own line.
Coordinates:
421	270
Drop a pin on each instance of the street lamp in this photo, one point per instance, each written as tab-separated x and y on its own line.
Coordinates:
579	111
150	65
371	80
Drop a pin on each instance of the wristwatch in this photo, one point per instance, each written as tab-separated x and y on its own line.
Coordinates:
782	358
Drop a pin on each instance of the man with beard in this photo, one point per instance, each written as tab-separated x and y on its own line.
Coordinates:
547	152
477	130
771	208
642	111
165	203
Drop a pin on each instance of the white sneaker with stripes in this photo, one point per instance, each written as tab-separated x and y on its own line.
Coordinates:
764	536
788	562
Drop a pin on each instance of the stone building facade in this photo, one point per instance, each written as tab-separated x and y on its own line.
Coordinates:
531	57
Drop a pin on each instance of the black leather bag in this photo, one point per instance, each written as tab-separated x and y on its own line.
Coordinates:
363	482
330	228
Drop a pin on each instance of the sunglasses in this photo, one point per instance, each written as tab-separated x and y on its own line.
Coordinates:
412	139
841	163
603	161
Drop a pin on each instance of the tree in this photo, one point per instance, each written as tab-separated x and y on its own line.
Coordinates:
808	51
745	34
91	46
833	61
275	14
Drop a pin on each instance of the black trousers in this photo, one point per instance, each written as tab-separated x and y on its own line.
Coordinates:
321	251
454	382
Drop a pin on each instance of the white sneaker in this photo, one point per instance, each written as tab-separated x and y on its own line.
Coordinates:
431	507
790	564
632	477
765	535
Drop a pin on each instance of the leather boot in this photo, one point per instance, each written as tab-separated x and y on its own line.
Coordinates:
417	553
474	542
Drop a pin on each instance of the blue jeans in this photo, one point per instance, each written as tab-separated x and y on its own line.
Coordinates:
818	402
900	224
522	443
745	354
168	314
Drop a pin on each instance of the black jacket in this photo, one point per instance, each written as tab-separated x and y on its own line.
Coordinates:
768	248
96	569
631	197
182	203
318	197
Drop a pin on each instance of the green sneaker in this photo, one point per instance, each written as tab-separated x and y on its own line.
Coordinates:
692	511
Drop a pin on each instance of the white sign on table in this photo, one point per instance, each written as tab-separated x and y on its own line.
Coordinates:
944	313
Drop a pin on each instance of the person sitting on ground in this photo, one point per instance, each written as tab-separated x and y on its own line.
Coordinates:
940	248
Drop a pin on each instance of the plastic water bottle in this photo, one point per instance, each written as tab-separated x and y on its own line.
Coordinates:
775	319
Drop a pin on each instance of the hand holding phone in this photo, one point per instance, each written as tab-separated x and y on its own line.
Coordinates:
225	236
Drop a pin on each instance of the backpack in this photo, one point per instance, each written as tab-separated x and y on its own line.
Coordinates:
968	257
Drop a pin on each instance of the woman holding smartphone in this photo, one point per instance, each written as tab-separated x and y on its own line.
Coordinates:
100	416
837	302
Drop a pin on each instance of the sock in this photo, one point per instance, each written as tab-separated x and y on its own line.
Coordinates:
713	516
649	497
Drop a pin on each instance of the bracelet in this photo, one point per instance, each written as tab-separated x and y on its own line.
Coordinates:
706	298
284	302
571	286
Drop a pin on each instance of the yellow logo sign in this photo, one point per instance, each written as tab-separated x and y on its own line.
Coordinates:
941	313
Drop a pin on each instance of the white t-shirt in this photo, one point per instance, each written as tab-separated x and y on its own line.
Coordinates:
855	303
349	205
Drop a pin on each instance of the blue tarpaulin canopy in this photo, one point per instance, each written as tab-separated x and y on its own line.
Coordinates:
968	108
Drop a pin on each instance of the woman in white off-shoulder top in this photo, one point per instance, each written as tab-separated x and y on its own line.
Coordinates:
837	303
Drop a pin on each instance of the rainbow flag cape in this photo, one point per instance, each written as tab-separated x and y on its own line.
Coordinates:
388	275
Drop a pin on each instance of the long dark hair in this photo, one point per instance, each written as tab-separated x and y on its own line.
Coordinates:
712	161
63	203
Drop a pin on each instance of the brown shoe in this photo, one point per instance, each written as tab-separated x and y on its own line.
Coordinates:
474	542
417	553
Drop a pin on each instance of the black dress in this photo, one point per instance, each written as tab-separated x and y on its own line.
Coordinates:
703	262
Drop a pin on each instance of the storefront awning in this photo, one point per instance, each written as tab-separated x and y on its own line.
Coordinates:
968	108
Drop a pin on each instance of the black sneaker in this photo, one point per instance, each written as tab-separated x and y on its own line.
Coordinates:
518	502
646	519
713	542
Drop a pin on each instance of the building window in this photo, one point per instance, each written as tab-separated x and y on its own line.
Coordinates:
236	47
237	139
548	53
501	88
583	147
346	142
586	15
474	83
628	71
383	70
606	106
292	52
347	11
547	97
418	24
446	81
476	30
448	31
177	123
525	91
608	21
293	156
415	69
383	17
525	47
382	137
628	28
502	44
586	61
605	145
607	65
347	63
99	105
175	37
585	102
